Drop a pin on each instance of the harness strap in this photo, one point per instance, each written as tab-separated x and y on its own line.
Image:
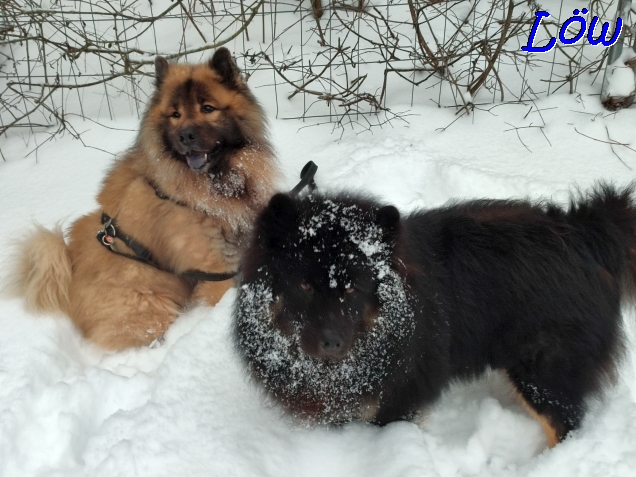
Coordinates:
107	237
109	232
163	196
208	277
306	178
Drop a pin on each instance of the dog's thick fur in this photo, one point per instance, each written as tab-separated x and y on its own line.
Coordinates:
187	191
533	290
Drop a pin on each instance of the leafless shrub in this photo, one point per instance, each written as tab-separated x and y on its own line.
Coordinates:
345	61
51	52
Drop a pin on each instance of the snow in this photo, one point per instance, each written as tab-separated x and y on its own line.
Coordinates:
279	361
187	407
620	77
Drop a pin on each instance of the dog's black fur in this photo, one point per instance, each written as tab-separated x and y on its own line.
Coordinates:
534	290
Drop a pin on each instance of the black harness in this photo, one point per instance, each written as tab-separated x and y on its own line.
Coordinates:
110	231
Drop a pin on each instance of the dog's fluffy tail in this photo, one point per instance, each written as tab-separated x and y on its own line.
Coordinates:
43	271
606	218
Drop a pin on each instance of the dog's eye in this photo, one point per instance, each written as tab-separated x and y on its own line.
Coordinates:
207	108
305	287
176	114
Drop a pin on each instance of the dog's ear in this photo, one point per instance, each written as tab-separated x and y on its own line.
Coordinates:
388	218
277	221
224	65
161	69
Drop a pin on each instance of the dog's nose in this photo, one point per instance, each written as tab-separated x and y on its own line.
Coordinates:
188	136
331	342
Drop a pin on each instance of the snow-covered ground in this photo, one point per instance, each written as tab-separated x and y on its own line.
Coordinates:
187	407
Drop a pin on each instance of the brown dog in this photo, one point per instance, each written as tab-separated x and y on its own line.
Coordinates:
182	198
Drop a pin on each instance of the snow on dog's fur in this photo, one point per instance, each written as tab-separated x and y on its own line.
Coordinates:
348	311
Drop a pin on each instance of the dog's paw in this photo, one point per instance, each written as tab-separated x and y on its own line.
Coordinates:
209	293
231	253
226	246
157	342
231	248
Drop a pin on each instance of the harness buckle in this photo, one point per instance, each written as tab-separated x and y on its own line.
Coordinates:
108	233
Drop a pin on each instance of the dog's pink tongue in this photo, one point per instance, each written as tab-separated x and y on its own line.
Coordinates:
196	160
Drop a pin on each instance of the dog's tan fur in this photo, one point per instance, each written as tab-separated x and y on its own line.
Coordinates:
552	435
118	302
44	273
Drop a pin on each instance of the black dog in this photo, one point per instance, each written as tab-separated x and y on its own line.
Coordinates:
347	312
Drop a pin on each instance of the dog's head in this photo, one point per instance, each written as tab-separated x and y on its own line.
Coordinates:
325	257
201	114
